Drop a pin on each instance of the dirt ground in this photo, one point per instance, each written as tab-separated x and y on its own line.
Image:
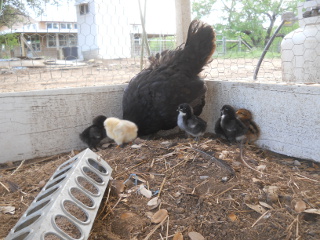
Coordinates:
38	76
268	196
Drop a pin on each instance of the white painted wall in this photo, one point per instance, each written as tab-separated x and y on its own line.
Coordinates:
104	32
43	123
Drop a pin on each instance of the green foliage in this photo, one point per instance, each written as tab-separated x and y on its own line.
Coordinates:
10	40
14	11
255	53
251	20
159	44
202	7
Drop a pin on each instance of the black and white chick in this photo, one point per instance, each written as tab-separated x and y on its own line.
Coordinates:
93	134
190	123
228	126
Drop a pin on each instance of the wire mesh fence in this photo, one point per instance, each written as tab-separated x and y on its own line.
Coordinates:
95	42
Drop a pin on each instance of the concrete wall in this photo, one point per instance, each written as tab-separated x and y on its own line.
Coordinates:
288	115
43	123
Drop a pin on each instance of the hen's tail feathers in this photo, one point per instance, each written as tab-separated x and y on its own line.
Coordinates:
194	55
200	45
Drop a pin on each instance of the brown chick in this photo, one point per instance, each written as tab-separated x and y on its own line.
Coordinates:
121	131
245	117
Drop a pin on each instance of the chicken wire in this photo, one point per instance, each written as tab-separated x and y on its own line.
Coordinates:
103	46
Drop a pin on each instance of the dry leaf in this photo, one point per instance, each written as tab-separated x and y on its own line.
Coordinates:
270	189
300	206
153	203
8	209
256	180
178	236
312	210
118	185
177	194
149	214
265	205
261	167
151	176
256	208
195	236
271	192
232	217
223	154
123	195
159	216
204	146
145	192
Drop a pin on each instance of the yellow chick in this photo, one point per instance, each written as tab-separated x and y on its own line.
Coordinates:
121	131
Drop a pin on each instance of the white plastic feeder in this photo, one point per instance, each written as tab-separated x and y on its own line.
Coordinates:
300	49
67	205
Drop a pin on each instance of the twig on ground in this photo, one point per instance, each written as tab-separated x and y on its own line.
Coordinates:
18	167
178	164
297	229
244	161
200	184
306	178
155	228
106	202
167	233
161	186
218	161
4	186
104	217
123	172
266	212
227	190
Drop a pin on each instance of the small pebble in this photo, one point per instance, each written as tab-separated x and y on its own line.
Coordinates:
203	177
296	163
41	183
179	210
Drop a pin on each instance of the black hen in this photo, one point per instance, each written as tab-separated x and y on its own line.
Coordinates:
93	134
190	123
229	126
152	96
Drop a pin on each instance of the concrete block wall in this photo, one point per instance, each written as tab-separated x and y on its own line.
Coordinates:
288	115
44	123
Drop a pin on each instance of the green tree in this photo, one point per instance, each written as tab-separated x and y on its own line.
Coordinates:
15	11
202	7
252	20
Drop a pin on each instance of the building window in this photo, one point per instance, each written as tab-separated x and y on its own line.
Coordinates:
72	40
84	8
51	41
75	26
63	26
63	40
34	42
52	26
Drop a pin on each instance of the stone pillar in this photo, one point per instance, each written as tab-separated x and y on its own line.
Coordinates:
183	19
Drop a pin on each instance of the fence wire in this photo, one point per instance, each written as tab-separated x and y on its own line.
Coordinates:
95	43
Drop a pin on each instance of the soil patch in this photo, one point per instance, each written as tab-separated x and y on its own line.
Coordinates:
199	194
